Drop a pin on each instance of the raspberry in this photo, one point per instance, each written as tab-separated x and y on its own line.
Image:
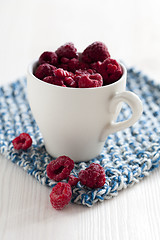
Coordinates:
93	176
54	80
96	66
84	72
44	70
61	73
64	66
67	50
73	64
97	51
90	80
23	141
60	168
110	70
60	195
64	60
73	180
48	57
70	82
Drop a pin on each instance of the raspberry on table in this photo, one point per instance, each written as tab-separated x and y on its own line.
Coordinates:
67	50
97	51
93	176
48	57
60	195
73	180
60	168
90	80
45	70
23	141
110	70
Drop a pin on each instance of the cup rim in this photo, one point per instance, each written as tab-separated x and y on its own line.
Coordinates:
34	62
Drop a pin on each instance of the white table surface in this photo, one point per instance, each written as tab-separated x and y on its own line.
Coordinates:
131	30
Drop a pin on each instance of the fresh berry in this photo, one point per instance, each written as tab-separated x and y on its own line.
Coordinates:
73	64
63	66
84	72
67	50
110	70
44	70
93	176
54	80
48	57
73	180
97	51
23	141
64	60
61	73
70	82
60	168
96	66
60	195
90	80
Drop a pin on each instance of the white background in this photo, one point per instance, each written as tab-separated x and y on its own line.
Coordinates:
131	30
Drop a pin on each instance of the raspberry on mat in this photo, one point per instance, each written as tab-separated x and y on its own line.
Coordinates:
93	176
73	180
60	168
23	141
60	195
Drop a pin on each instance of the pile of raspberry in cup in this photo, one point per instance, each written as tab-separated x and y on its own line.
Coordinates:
67	68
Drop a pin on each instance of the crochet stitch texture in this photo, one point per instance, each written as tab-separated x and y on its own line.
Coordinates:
127	157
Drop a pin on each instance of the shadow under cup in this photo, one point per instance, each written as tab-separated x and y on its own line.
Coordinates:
76	121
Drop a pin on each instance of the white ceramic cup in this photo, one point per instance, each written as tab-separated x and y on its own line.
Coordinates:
76	121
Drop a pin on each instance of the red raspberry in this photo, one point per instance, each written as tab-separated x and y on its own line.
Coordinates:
48	57
54	80
93	176
73	180
60	168
96	66
61	195
110	70
83	66
61	73
64	60
63	66
67	50
23	141
44	70
70	82
73	64
97	51
90	80
84	72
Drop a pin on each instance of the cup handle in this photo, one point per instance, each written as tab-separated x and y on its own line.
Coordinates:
136	106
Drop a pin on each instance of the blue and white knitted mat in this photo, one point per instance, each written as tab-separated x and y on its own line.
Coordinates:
128	156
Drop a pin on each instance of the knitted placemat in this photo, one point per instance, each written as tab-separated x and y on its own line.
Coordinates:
127	157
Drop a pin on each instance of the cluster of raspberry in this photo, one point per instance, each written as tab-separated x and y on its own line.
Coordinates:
60	169
67	68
